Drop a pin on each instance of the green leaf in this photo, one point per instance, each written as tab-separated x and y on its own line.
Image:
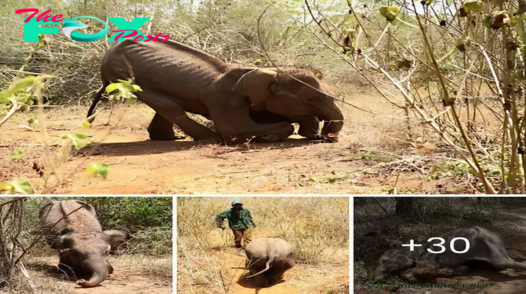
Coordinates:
85	124
122	90
473	6
100	169
23	85
17	186
79	141
112	87
32	121
17	154
5	96
389	12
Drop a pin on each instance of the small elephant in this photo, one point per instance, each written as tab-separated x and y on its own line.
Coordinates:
176	79
268	259
72	228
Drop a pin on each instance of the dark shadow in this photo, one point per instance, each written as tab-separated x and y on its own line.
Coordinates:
251	283
159	147
52	271
486	270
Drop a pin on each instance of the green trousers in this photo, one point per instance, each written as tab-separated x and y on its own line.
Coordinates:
242	234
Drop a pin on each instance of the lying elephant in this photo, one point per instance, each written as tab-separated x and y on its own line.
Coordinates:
176	79
419	265
72	228
268	259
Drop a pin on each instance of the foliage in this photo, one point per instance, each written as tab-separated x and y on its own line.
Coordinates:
461	73
123	90
135	213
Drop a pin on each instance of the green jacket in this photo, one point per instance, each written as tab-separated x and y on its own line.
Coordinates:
236	221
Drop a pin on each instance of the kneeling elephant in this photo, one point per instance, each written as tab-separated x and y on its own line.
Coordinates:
176	79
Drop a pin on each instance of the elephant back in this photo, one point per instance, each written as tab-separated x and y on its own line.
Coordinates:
265	247
66	216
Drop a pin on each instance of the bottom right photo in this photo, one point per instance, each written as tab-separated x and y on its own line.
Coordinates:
440	244
258	245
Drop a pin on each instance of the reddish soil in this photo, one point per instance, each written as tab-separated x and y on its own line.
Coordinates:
137	165
309	279
125	279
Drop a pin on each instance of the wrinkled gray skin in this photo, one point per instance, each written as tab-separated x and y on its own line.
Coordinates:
118	239
420	265
268	259
79	238
176	79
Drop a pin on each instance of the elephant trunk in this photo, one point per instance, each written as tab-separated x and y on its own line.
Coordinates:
333	123
99	273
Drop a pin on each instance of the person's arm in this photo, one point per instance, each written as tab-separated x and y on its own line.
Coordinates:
220	218
249	215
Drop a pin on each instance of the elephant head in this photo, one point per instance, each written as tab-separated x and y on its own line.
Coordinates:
85	254
291	92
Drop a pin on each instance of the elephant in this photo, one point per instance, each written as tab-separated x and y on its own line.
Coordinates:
72	228
268	259
176	79
421	264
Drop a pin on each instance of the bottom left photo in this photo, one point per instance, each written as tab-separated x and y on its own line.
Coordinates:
102	245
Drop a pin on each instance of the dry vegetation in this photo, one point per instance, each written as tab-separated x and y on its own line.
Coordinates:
317	228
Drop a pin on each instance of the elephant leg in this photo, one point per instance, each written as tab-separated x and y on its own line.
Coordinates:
110	269
309	127
67	266
175	114
161	129
233	122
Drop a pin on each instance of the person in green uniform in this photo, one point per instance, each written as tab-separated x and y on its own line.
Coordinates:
239	220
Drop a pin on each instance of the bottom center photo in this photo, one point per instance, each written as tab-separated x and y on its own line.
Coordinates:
263	245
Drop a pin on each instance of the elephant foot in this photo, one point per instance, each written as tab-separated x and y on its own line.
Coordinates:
208	141
271	138
165	137
330	138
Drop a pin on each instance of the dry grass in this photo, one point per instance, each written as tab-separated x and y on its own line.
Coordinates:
317	228
372	157
48	279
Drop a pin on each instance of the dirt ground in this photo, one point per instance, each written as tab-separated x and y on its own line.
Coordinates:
127	278
369	159
488	279
301	279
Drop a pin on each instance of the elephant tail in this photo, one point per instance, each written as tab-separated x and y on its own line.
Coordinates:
96	99
267	267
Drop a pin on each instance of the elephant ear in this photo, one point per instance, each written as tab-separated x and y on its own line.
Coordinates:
256	85
116	238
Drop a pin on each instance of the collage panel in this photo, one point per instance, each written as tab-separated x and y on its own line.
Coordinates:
225	244
90	245
439	245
